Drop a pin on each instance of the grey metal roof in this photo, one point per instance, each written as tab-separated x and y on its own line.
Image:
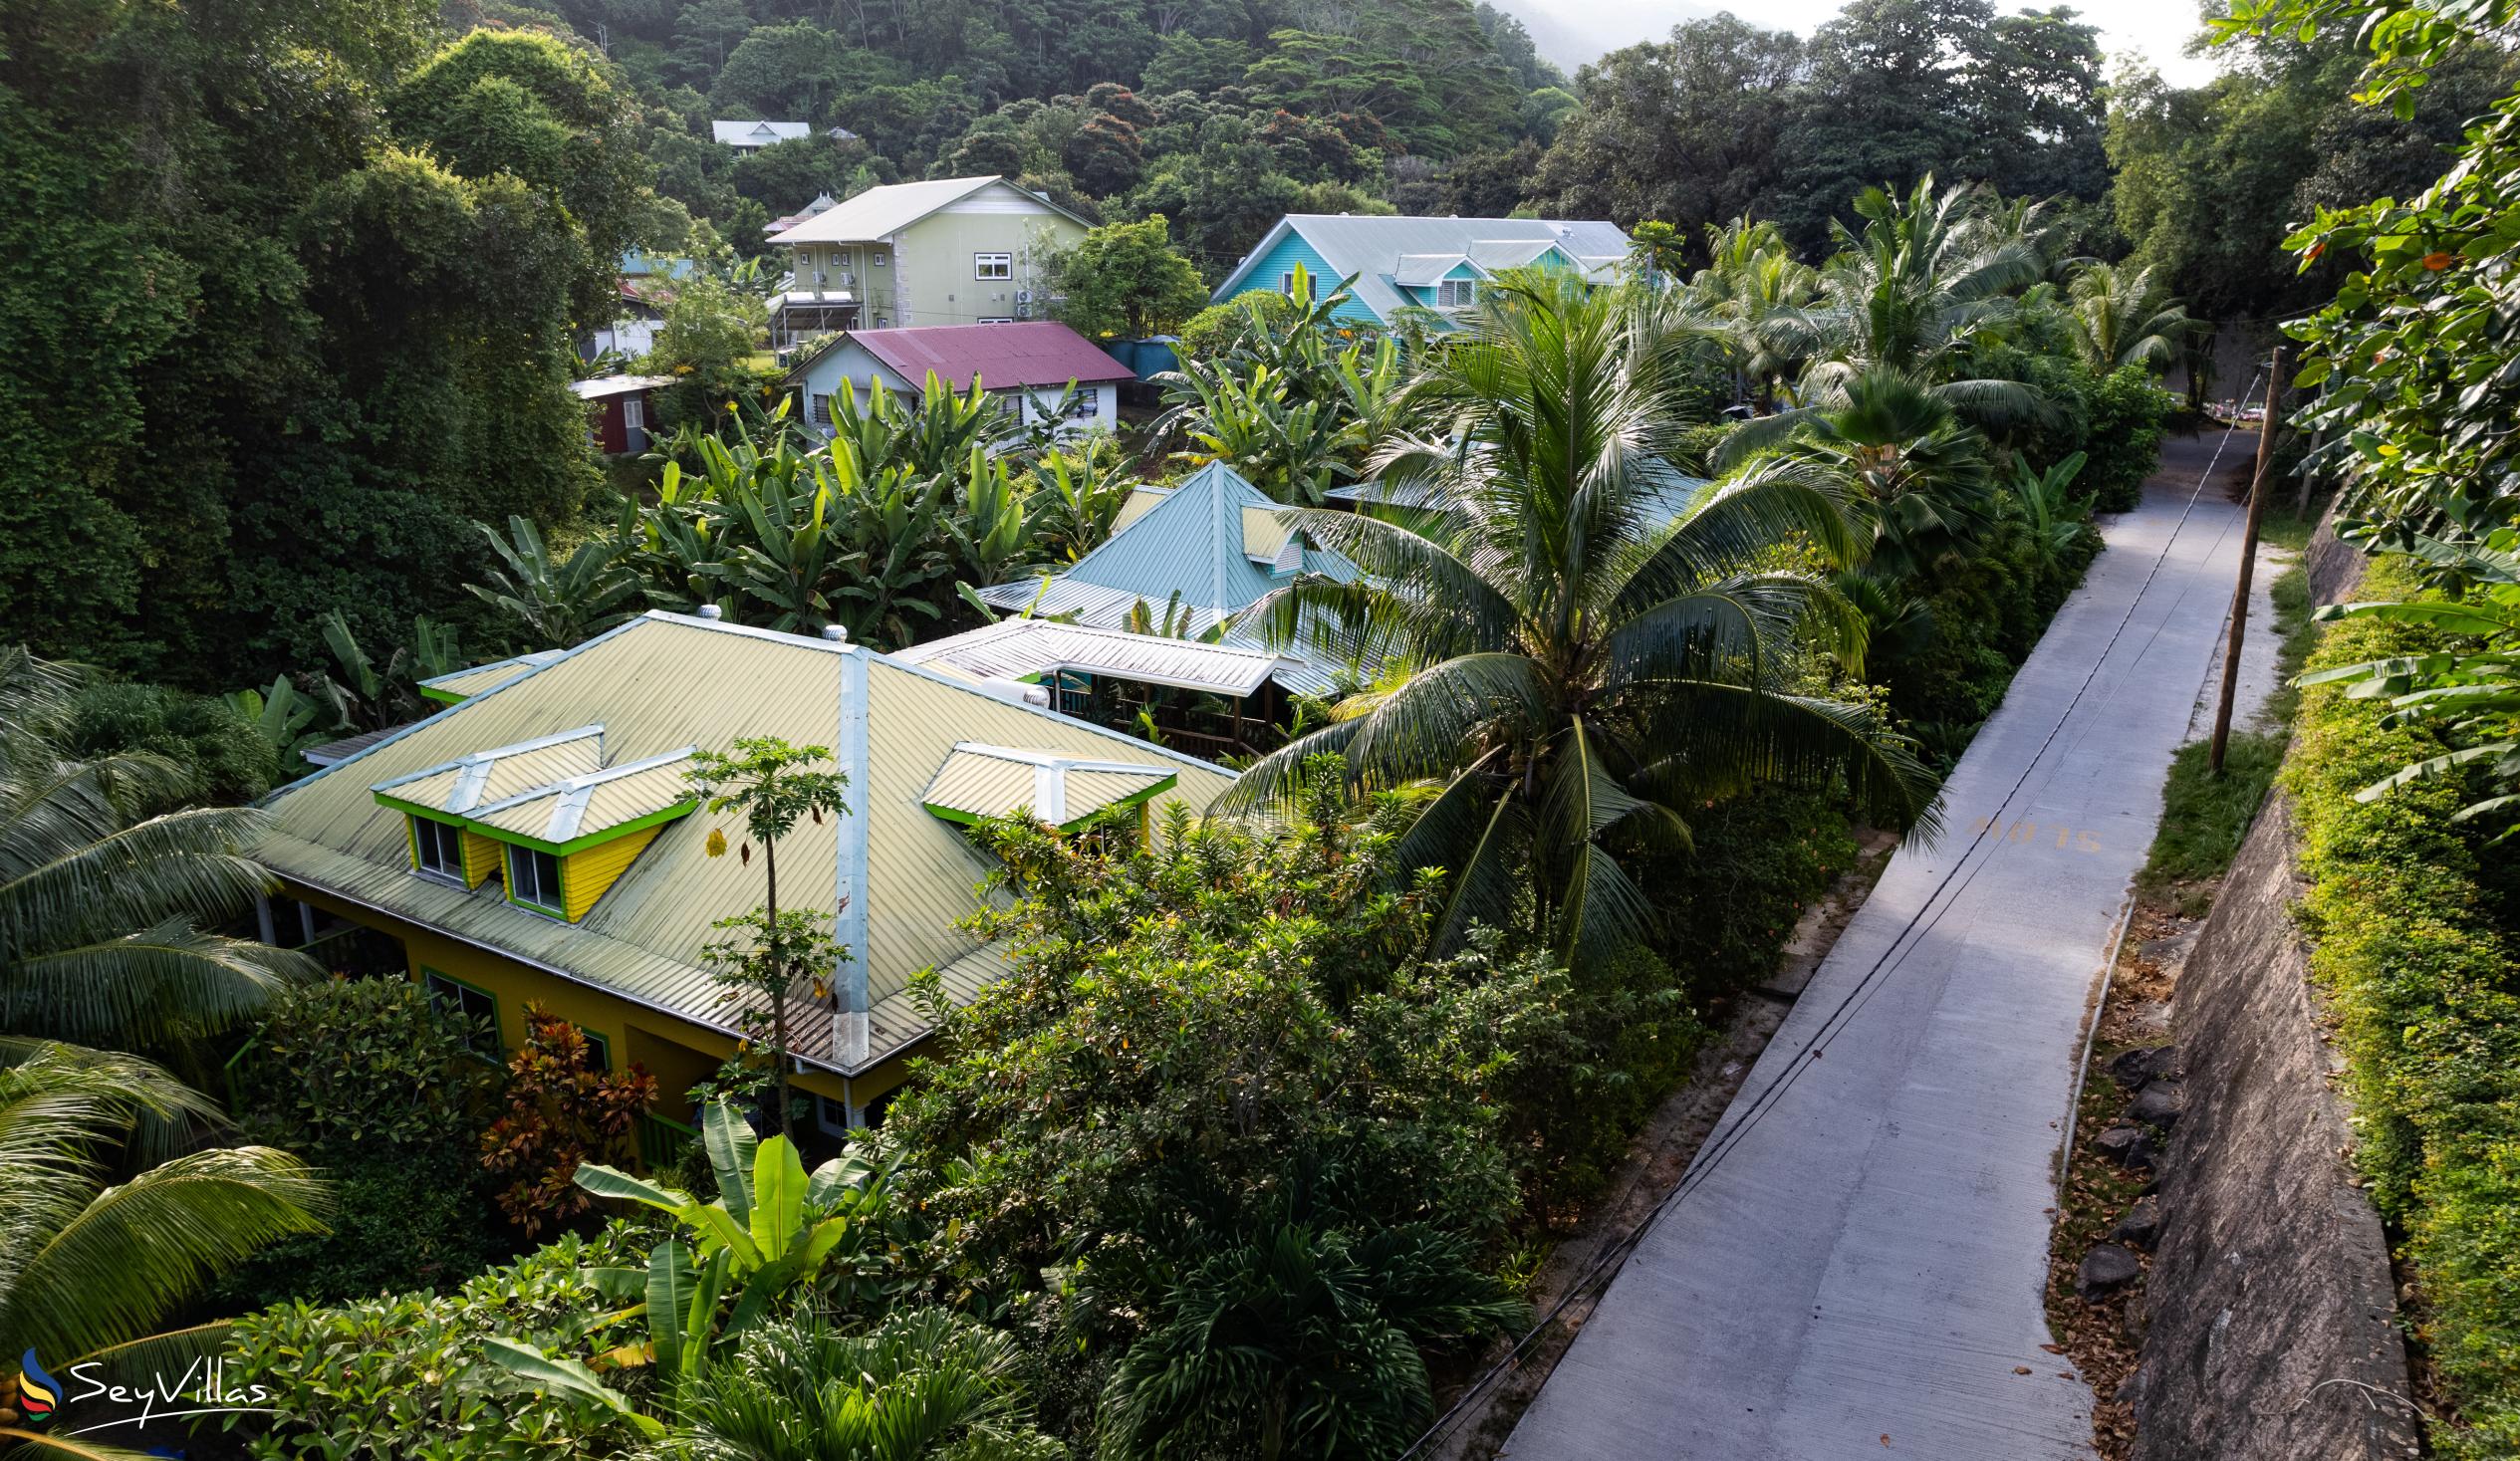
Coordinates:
333	752
1017	649
1370	248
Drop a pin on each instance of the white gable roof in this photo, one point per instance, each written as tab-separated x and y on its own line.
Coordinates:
880	212
749	133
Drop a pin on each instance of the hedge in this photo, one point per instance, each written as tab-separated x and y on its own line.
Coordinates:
2412	944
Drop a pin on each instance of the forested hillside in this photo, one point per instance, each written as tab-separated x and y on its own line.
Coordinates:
294	286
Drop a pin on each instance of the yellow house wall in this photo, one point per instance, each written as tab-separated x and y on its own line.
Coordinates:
584	876
677	1051
481	859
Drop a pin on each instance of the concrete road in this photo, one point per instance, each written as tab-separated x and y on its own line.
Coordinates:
1859	1274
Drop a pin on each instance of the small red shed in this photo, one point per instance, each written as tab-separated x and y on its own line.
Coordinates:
618	410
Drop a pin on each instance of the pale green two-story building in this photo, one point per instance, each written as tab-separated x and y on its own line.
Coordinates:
950	251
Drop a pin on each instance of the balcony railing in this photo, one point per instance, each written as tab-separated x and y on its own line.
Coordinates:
662	1141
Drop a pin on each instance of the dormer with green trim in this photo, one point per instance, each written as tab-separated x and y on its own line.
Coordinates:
438	801
566	844
978	781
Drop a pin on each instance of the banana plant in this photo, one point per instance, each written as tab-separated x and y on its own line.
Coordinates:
988	528
281	716
2046	505
558	605
1077	493
769	1232
785	555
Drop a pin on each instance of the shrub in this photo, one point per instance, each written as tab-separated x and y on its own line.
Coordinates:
2124	439
366	1079
406	1375
2419	964
563	1109
352	1066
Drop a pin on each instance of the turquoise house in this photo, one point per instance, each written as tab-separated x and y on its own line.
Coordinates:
1420	263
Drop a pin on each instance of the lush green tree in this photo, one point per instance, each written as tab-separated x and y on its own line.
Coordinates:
91	1258
1684	130
389	1095
531	107
1124	280
1900	90
1915	477
1588	657
785	176
784	73
555	604
230	761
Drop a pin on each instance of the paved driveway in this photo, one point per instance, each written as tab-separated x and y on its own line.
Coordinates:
1860	1274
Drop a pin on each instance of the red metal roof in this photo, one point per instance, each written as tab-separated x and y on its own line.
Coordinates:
1032	355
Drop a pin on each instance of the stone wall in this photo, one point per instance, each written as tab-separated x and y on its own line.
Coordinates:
2272	1317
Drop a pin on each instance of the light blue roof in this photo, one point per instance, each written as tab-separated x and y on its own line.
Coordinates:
1190	543
1371	248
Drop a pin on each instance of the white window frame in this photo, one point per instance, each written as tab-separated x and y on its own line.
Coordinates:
982	266
447	843
634	413
881	260
522	870
1088	403
998	320
1455	294
1286	284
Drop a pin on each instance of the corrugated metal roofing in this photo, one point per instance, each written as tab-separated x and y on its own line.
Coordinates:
1020	648
477	778
880	212
997	781
1371	248
598	801
333	752
482	676
657	684
1192	542
1028	355
599	386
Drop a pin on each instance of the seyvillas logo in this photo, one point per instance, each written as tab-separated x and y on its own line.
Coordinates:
38	1394
202	1389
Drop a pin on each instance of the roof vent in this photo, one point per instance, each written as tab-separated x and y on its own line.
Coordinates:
837	634
711	610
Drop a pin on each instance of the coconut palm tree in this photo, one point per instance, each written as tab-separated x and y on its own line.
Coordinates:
924	1382
105	908
1586	664
1915	478
1928	278
1753	283
2124	317
91	1261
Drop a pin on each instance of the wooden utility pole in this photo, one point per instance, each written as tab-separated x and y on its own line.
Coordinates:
2248	562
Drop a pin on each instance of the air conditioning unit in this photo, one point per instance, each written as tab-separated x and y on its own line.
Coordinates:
821	278
1023	296
1023	312
847	279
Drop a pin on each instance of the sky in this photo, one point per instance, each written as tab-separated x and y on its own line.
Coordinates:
2155	29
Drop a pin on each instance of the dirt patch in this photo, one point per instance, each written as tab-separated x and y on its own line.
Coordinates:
1658	1157
2102	1333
